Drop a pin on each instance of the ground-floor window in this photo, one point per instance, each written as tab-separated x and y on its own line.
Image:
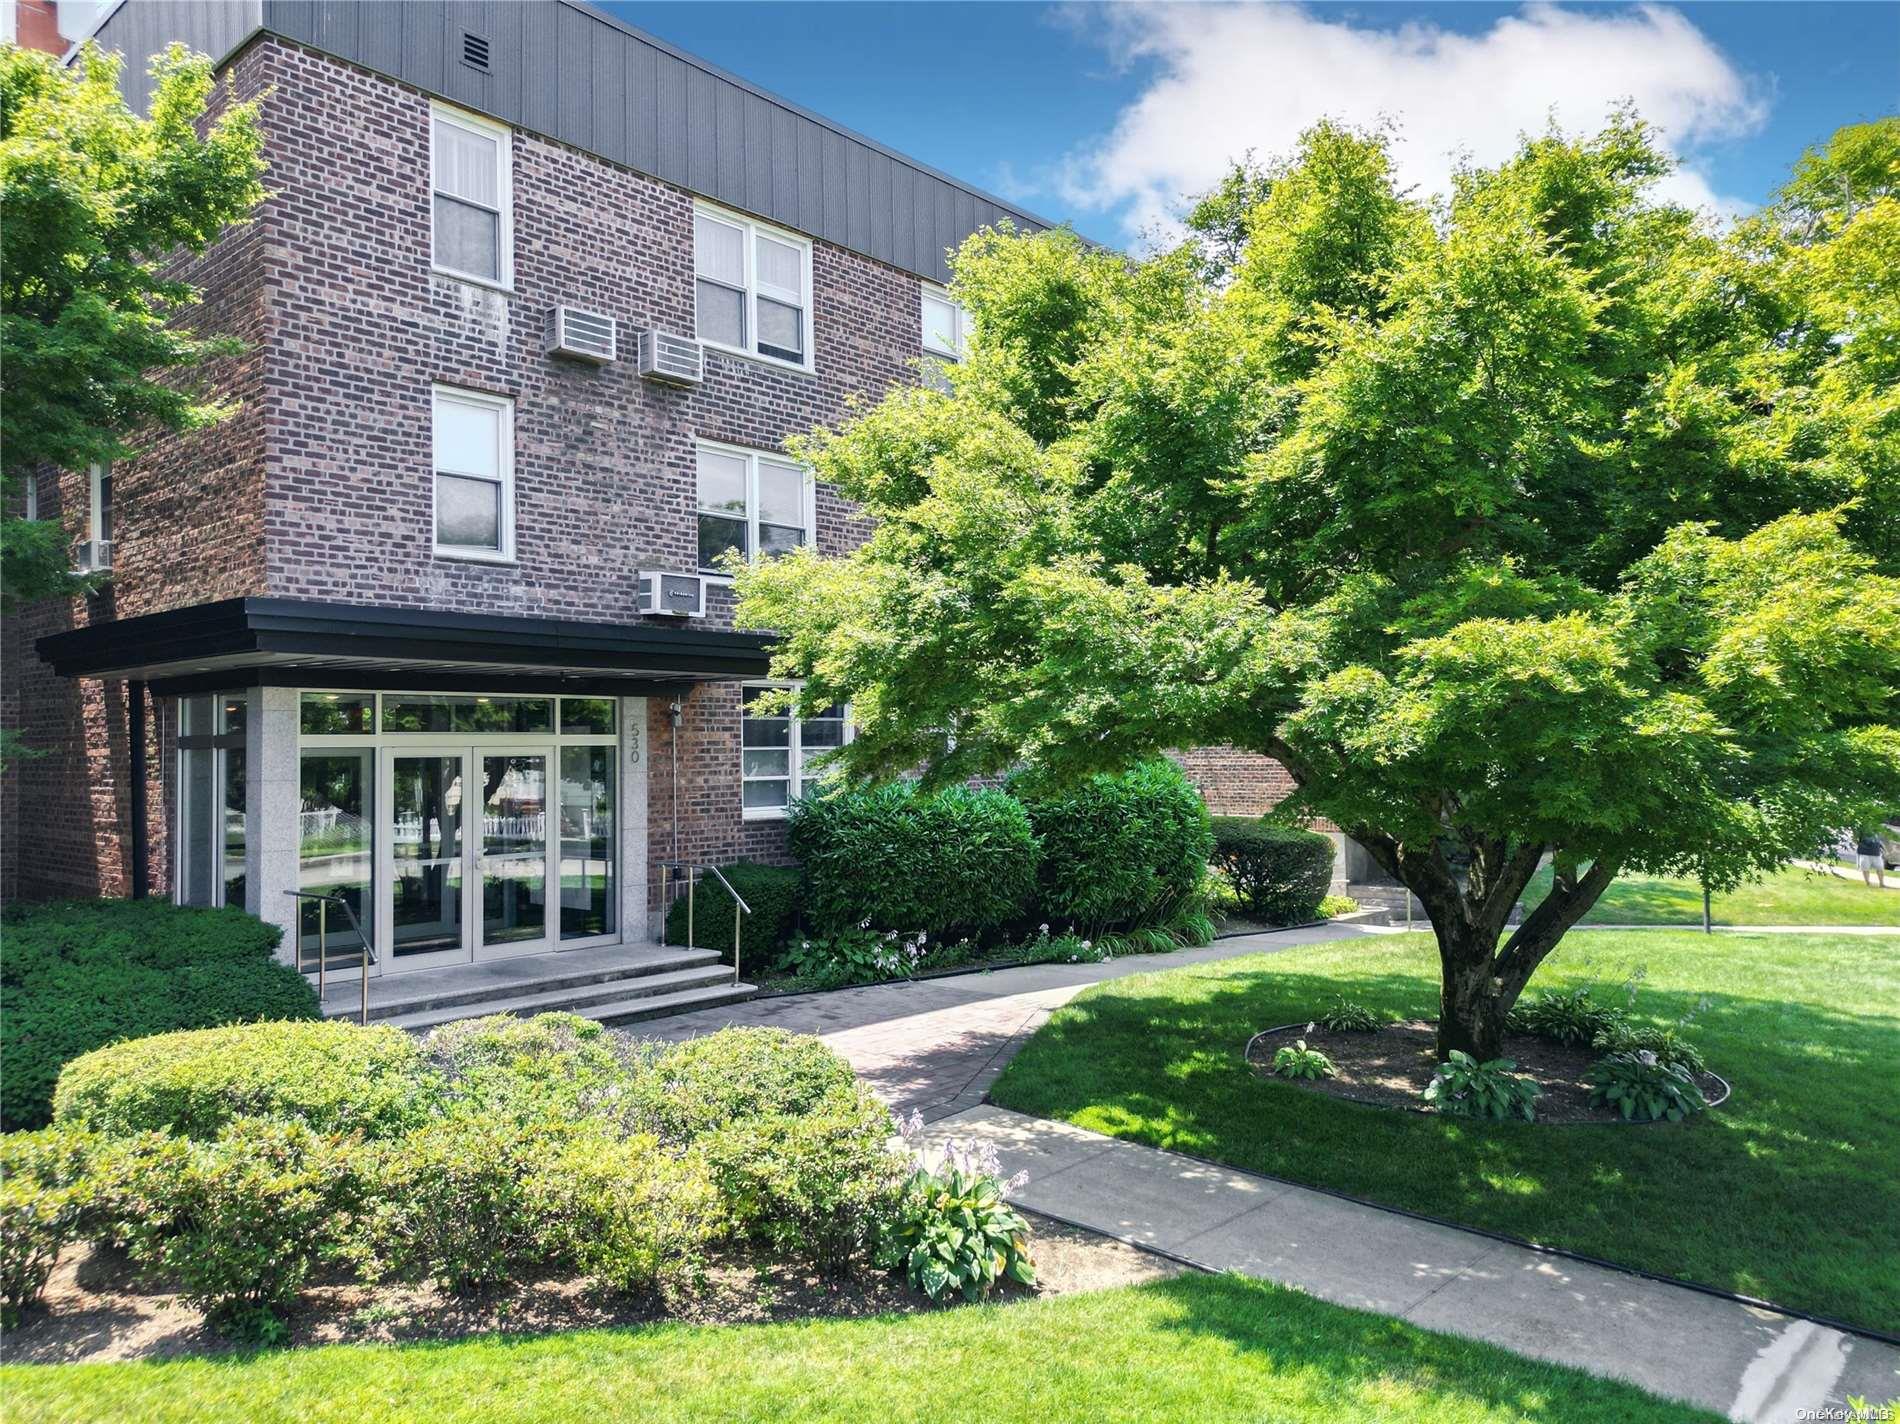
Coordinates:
211	799
780	755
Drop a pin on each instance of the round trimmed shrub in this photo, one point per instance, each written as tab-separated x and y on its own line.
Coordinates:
1279	873
1120	851
894	858
504	1061
46	1193
705	1083
771	891
334	1077
79	975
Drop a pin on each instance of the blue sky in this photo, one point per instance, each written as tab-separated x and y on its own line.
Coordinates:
1103	115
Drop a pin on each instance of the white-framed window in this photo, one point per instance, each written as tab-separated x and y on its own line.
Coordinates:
98	502
474	478
946	325
779	753
471	191
752	288
752	501
210	865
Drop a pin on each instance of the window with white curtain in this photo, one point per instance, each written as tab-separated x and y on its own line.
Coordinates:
750	502
470	159
474	475
752	287
946	326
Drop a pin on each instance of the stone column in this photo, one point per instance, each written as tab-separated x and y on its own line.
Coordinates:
631	821
273	798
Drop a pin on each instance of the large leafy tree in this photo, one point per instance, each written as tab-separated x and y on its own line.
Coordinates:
1531	523
96	352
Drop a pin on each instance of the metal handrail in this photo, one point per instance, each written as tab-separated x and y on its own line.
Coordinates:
739	906
368	956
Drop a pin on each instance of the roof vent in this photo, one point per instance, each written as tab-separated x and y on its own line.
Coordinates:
588	336
475	51
676	360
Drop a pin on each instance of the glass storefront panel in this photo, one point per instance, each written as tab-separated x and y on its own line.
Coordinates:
514	848
197	819
336	714
403	713
426	845
335	845
588	900
587	716
233	840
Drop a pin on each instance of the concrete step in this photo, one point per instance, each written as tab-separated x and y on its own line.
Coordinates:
430	991
629	1008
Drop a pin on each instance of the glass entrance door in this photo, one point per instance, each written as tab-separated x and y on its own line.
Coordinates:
514	850
427	916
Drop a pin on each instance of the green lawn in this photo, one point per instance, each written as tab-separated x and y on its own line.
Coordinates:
1787	897
1194	1348
1788	1191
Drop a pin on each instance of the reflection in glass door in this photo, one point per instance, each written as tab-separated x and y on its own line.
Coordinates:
514	851
426	849
334	839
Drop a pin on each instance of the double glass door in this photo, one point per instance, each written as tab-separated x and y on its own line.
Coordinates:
471	854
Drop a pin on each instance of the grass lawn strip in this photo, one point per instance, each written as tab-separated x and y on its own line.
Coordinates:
1786	1192
1791	896
1192	1348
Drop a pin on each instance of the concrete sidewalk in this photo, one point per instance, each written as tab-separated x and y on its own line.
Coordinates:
1747	1363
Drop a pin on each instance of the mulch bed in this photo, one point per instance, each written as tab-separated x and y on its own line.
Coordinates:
97	1308
1391	1068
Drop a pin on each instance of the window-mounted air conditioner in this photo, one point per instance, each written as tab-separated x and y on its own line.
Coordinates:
676	360
673	595
92	556
584	335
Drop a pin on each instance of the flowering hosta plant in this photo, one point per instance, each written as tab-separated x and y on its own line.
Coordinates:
954	1230
1464	1087
1643	1087
859	956
1296	1060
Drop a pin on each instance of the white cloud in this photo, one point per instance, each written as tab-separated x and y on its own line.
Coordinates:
1227	78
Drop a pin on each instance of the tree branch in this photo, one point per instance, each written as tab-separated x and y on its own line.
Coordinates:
1567	903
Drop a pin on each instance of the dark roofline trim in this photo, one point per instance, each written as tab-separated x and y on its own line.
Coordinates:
287	626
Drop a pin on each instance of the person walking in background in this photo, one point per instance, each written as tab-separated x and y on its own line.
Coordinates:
1868	855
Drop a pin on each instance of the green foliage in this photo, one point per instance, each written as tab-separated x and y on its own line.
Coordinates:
1550	522
1568	1016
81	974
1464	1087
816	1184
772	893
94	340
239	1221
1296	1060
954	1233
1120	851
1343	1015
624	1212
896	858
1278	873
1643	1088
1666	1044
1332	905
333	1076
46	1193
857	956
698	1085
509	1064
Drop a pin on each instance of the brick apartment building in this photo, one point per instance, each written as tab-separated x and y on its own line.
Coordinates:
530	313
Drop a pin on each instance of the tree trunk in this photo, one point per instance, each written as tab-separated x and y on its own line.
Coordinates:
1470	1007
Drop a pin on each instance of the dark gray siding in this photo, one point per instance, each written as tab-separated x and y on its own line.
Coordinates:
562	69
139	29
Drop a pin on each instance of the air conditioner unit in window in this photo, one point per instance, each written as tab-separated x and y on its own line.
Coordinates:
585	335
92	556
673	595
676	360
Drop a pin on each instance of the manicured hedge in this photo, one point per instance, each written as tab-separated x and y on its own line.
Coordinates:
952	861
334	1077
771	892
1119	851
1279	874
75	976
